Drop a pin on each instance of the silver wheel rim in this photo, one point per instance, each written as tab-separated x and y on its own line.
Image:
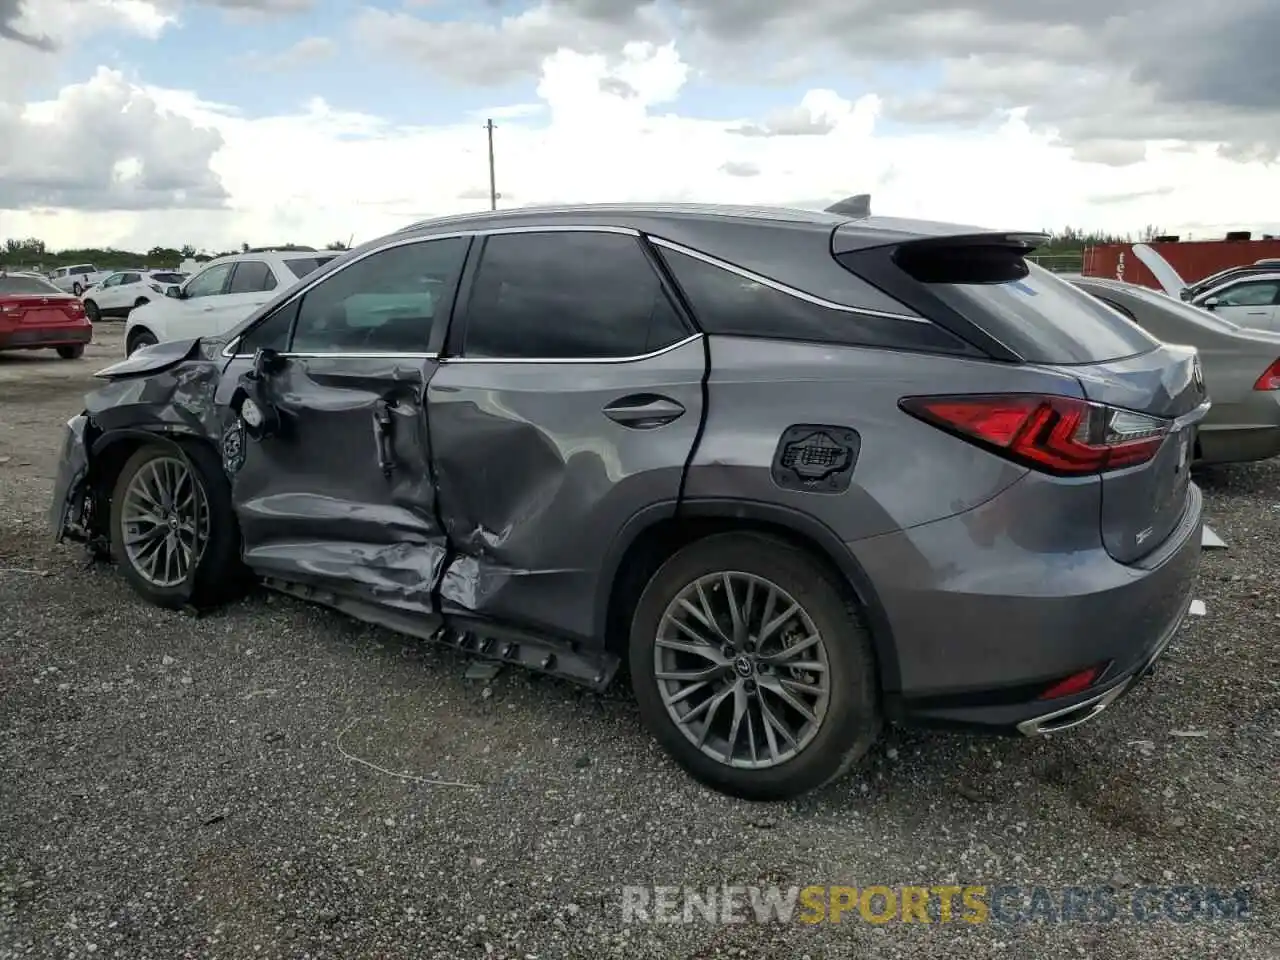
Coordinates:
742	669
165	521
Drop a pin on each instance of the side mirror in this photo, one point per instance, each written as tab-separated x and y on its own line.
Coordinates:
1212	303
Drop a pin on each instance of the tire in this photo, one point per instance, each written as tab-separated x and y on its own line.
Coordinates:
91	309
140	302
77	288
72	351
217	574
851	722
142	337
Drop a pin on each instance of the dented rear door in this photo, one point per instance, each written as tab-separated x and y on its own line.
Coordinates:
570	401
341	496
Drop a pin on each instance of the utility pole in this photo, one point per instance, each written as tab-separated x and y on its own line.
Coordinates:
493	185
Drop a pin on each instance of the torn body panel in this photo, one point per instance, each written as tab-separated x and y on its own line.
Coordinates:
342	496
539	465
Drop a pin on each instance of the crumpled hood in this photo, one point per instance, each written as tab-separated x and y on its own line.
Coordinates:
152	359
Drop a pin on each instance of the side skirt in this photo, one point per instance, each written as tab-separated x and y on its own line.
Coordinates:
594	669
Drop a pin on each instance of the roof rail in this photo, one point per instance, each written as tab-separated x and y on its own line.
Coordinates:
288	248
858	207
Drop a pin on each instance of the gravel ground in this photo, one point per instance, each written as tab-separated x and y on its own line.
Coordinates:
180	787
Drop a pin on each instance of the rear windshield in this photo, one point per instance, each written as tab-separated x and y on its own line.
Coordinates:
169	277
11	284
301	266
1044	319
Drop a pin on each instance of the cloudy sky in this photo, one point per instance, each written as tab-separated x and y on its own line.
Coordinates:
216	122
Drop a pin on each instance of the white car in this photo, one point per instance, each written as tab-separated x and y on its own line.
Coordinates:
123	291
1246	296
78	278
221	295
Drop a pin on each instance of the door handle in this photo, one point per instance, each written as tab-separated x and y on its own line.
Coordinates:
644	411
1259	313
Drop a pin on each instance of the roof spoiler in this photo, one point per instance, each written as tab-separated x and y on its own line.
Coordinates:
857	207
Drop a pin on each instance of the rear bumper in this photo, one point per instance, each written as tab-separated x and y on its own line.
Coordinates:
23	338
985	615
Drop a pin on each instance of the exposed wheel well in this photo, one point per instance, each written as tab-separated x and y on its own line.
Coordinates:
106	465
656	543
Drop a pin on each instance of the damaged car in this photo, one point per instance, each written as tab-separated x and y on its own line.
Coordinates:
799	473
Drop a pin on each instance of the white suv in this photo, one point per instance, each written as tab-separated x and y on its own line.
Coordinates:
221	295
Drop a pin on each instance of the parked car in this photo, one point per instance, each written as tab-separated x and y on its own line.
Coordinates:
220	296
78	278
124	291
1241	368
36	315
802	472
1248	296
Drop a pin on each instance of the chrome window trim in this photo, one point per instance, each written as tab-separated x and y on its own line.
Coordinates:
693	337
781	287
229	350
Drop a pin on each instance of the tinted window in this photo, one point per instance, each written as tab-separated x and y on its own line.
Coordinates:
168	277
568	295
272	333
251	276
32	285
1261	293
301	266
80	271
730	304
384	303
1045	319
131	278
211	282
114	280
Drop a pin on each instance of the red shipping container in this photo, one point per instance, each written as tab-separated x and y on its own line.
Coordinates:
1194	260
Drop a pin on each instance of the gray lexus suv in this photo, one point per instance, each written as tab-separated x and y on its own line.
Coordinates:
799	473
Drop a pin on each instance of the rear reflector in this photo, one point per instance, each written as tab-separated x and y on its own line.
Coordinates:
1270	379
1059	435
1076	683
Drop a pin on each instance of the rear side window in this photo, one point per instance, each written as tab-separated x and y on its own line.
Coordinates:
1040	317
252	276
728	303
1258	293
568	296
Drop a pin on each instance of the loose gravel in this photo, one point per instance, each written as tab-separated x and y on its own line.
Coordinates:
252	783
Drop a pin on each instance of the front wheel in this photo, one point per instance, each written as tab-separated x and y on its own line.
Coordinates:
752	667
173	530
92	312
140	338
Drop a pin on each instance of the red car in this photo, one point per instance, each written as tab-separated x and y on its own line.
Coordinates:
35	314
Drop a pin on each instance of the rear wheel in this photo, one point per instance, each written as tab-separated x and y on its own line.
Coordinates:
173	530
752	666
142	337
77	288
92	311
73	351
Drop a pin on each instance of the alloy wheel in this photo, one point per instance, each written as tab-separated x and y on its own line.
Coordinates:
742	670
164	521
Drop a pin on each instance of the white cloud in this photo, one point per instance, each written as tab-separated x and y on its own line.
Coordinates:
305	53
365	176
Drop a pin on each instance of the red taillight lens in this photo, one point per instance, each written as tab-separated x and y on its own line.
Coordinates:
1270	379
1060	435
1076	683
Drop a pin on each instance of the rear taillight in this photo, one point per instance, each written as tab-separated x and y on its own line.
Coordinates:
1270	379
1076	683
1059	435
